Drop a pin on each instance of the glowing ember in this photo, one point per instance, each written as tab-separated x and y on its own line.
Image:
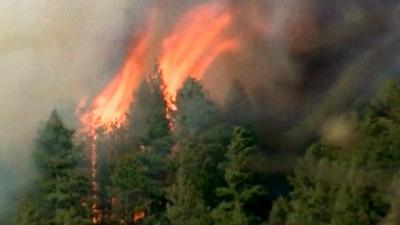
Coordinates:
138	215
197	40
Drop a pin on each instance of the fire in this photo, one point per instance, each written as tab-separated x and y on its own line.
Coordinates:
110	106
138	215
198	38
196	41
108	109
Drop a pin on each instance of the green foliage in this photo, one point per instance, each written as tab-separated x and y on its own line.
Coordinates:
358	205
238	109
196	159
279	212
195	112
187	205
202	174
199	157
30	213
240	186
348	185
389	99
139	177
138	186
62	188
201	146
147	120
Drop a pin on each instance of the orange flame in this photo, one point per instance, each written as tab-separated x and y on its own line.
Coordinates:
138	215
198	38
110	106
196	41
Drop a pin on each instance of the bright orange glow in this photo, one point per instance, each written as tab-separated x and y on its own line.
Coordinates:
197	40
194	44
110	106
199	37
138	215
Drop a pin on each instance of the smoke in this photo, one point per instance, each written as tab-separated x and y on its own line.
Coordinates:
306	61
300	60
52	54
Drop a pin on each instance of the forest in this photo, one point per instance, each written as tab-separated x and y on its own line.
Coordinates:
201	164
200	112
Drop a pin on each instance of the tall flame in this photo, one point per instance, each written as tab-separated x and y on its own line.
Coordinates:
196	41
110	106
199	37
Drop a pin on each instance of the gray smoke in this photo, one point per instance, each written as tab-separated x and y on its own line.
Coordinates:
311	59
301	60
52	53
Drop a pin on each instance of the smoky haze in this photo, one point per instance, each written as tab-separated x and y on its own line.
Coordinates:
52	53
298	60
310	60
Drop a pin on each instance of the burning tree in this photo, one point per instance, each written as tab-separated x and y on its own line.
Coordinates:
141	171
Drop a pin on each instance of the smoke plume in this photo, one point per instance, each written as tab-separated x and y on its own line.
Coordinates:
300	61
52	54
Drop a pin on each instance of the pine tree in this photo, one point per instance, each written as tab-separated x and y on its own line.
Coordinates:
241	187
393	217
30	213
148	124
187	205
388	99
64	185
348	184
144	158
358	205
238	109
137	188
61	186
279	212
200	157
195	112
202	140
200	148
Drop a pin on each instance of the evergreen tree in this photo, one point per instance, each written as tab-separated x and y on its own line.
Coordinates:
238	109
30	213
240	181
137	188
201	146
195	112
144	159
199	157
62	188
148	124
393	217
202	140
348	184
187	205
358	205
279	212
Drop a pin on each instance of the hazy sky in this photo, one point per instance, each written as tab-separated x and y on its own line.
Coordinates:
55	52
52	53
